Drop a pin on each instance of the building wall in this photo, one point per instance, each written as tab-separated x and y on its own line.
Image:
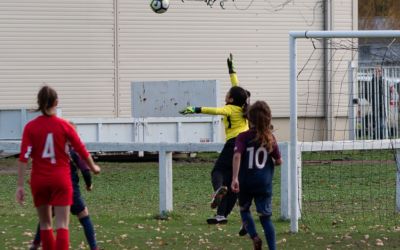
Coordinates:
192	41
90	51
66	44
343	10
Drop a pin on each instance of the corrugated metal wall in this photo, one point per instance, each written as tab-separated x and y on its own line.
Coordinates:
192	41
340	69
69	44
342	11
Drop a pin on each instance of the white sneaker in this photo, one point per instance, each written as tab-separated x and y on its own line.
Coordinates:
218	219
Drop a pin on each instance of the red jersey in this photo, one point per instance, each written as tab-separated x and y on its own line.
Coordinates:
45	140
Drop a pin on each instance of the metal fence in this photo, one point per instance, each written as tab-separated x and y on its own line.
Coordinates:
377	109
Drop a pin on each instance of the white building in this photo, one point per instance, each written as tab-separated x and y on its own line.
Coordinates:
90	51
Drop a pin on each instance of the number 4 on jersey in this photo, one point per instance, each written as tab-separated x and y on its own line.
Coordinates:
48	151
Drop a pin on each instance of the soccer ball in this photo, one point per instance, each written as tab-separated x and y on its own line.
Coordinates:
159	6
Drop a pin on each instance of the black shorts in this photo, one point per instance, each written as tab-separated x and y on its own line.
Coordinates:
224	161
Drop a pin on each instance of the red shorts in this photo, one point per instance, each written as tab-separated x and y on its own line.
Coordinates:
54	190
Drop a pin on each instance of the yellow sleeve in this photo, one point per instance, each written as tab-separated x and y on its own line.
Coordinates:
216	111
234	79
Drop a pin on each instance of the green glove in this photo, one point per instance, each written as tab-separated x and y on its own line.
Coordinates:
232	71
188	110
229	61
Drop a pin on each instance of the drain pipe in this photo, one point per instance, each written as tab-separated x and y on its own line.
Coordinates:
328	98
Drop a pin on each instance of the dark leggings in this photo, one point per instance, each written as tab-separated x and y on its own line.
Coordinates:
219	179
221	175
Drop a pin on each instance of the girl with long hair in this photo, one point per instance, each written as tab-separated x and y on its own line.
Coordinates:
256	154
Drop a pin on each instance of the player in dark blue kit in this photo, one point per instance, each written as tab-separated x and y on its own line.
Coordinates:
78	207
256	154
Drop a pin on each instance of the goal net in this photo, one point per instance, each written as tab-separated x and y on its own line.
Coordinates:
345	130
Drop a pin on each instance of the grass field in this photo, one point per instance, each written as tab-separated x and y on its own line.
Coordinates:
124	207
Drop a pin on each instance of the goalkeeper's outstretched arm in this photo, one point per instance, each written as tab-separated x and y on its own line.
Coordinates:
225	110
232	71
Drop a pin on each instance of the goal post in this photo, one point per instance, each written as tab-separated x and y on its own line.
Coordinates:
295	149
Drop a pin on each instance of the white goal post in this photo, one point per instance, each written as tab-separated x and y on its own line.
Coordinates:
295	146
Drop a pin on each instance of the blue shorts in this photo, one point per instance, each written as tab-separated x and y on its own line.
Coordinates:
78	202
263	202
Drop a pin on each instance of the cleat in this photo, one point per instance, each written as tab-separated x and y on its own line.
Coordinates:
218	195
257	243
218	219
34	246
242	231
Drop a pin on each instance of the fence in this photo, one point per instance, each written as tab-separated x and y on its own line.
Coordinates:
377	102
165	164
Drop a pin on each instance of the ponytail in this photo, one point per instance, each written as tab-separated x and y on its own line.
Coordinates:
46	99
241	98
245	106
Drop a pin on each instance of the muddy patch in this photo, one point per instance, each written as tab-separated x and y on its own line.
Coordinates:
8	165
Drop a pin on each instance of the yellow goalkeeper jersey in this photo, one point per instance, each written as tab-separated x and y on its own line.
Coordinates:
233	120
234	79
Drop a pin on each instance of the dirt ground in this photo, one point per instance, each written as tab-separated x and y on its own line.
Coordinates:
8	165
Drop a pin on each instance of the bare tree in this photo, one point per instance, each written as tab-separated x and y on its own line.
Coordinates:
379	14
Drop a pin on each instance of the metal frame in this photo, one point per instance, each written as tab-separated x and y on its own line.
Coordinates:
294	148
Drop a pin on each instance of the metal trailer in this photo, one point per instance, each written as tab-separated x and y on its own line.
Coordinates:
155	116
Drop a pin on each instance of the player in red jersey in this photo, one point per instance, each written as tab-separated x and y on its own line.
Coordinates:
45	139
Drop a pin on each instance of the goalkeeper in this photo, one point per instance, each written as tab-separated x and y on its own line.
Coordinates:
235	122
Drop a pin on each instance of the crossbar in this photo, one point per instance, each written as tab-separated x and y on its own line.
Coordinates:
349	145
346	34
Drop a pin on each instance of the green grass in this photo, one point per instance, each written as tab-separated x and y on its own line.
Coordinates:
124	209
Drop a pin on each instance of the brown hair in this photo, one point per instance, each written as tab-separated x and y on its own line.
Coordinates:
260	117
46	99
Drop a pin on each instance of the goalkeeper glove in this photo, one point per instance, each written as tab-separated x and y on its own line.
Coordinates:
190	110
232	71
229	61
